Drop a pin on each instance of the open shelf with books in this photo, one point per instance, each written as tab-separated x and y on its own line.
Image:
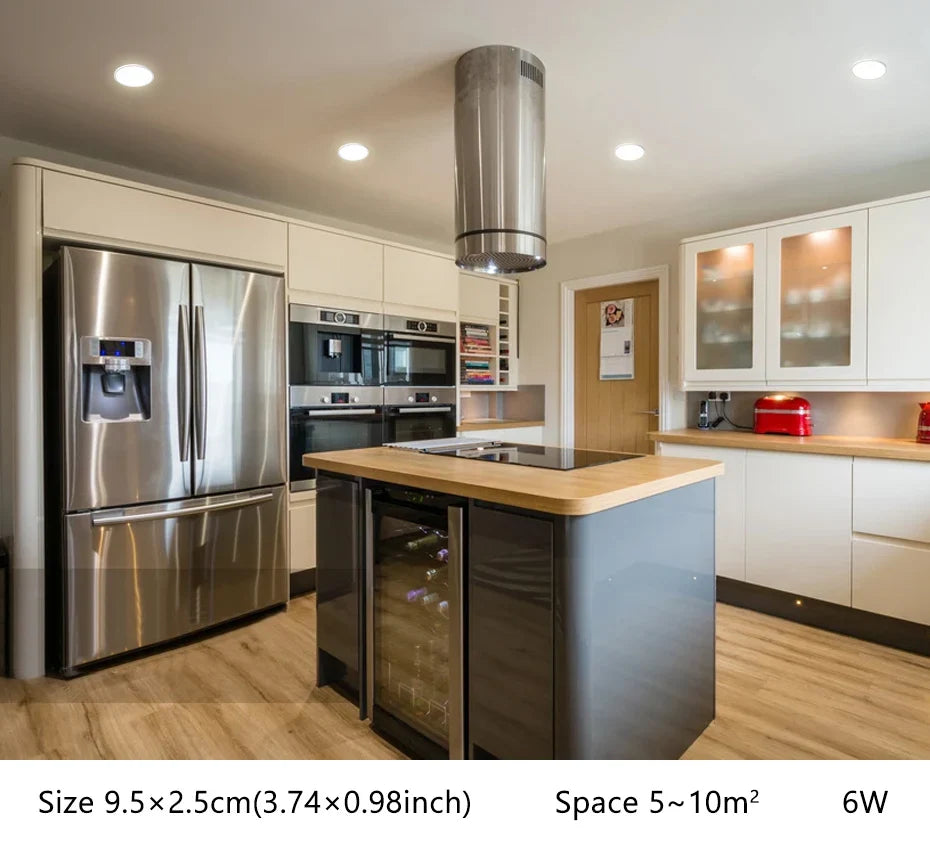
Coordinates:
478	354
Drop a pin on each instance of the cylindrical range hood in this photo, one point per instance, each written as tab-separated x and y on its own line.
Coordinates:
500	161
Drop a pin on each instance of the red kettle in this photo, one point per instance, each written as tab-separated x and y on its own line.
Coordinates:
923	423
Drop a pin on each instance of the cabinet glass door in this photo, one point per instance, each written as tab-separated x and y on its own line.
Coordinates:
415	622
724	300
817	297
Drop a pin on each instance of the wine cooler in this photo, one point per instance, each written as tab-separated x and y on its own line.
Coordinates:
414	620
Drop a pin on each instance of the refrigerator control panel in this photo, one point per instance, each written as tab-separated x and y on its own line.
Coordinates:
96	350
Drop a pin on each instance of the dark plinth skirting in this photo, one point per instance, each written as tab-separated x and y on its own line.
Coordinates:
303	582
888	631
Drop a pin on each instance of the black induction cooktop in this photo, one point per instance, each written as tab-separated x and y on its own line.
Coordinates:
548	457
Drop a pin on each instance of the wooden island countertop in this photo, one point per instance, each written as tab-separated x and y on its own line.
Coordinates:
569	492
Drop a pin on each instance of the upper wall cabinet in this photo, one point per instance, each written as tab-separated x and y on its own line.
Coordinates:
899	291
83	209
724	308
478	298
341	266
817	282
422	284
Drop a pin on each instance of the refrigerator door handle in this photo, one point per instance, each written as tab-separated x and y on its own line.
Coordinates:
200	383
456	636
225	504
367	706
184	382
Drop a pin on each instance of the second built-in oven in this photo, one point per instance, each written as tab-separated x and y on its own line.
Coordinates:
328	419
418	413
419	353
328	347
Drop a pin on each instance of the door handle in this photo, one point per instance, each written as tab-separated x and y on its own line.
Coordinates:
648	412
367	706
424	409
456	635
366	411
200	383
184	382
415	338
125	519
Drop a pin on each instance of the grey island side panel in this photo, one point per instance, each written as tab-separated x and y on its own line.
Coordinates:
510	633
634	628
339	582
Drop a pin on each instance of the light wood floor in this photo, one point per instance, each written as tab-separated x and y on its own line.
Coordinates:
784	691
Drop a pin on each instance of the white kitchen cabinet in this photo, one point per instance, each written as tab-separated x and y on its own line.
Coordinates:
730	504
302	535
532	435
508	367
84	209
891	498
478	298
799	524
899	291
723	309
816	287
892	577
420	285
345	267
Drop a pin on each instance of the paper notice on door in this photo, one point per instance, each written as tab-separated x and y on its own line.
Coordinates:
617	340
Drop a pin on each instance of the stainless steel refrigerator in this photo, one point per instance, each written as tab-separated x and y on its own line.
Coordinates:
165	448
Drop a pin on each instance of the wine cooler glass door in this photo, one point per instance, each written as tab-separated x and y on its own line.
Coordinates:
415	610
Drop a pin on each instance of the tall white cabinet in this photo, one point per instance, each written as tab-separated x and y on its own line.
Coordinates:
899	292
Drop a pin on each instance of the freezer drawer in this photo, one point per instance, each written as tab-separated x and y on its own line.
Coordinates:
143	575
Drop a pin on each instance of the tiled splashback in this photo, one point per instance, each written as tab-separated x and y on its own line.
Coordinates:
846	414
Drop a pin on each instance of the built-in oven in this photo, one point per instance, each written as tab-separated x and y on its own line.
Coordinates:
327	419
418	352
330	347
418	413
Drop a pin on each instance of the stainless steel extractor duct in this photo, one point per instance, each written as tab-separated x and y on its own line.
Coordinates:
500	160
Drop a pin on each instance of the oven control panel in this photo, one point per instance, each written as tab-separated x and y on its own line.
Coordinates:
339	398
422	398
422	327
338	317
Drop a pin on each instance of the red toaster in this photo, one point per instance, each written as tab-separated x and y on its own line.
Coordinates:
783	414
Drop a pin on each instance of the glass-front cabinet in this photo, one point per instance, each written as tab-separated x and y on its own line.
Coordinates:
724	308
816	303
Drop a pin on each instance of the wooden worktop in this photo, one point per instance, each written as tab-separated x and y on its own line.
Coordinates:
881	447
567	492
495	424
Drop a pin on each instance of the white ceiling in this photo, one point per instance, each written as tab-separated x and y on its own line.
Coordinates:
727	96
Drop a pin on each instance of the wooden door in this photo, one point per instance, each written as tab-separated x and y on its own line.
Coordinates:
613	415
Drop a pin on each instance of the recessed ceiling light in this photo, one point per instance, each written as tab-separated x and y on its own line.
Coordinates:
134	76
869	69
629	151
353	151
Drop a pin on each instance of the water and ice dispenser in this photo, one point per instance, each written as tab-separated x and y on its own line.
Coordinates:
116	376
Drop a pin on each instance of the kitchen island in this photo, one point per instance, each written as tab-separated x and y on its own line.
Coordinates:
575	606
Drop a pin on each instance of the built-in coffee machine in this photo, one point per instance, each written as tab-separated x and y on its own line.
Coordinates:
335	348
